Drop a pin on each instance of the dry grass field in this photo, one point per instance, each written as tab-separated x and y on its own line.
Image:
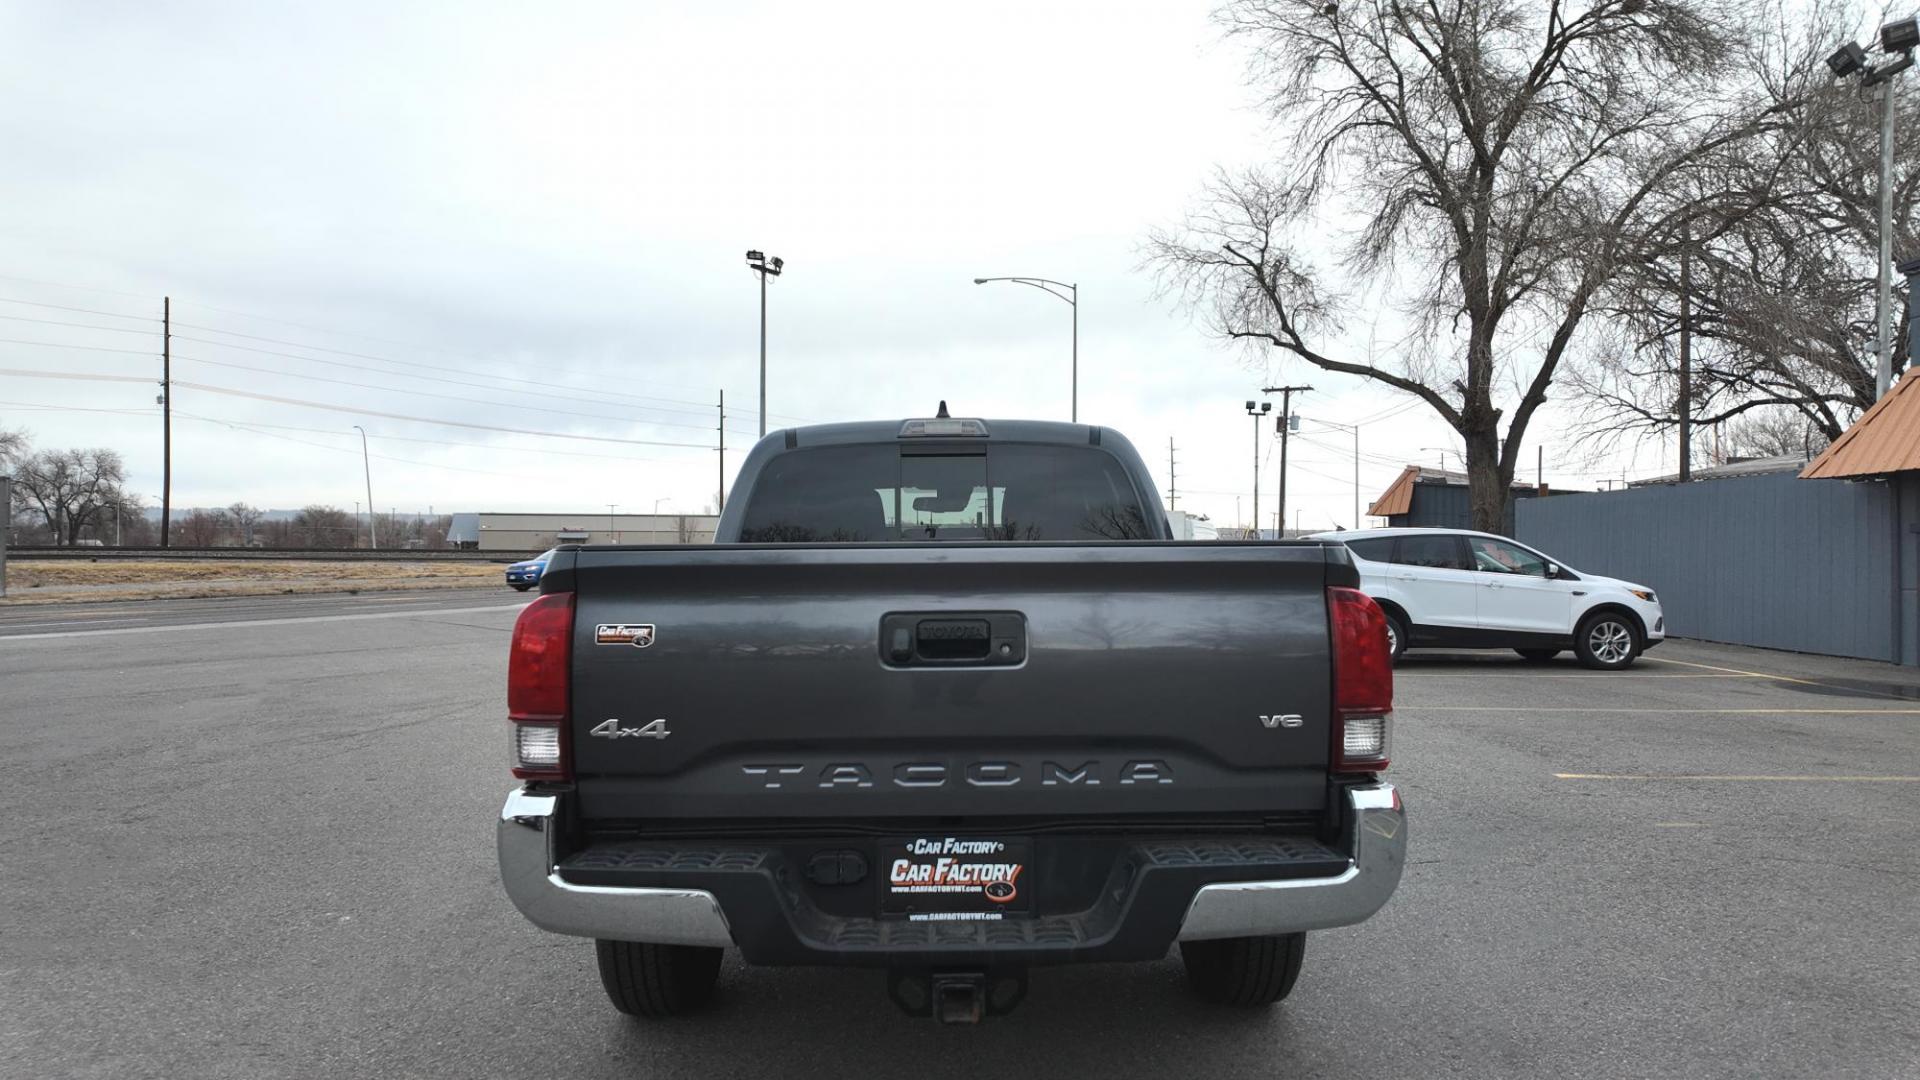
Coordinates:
31	581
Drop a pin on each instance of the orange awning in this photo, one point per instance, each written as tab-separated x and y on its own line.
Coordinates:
1885	440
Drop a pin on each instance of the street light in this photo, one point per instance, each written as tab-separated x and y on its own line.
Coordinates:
1258	414
1355	428
1898	37
1072	297
760	263
366	462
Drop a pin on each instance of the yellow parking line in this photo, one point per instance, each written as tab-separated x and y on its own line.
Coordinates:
1564	675
1743	779
1662	711
1776	677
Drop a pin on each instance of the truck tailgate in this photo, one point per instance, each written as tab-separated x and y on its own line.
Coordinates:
1036	679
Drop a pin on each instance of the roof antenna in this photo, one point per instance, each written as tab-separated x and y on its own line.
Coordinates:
942	414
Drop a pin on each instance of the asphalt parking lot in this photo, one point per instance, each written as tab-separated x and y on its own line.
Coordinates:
256	841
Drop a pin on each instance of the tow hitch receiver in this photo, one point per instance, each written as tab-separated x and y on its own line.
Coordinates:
957	997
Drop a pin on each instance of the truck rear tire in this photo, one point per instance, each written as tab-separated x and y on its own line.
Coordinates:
1244	972
657	980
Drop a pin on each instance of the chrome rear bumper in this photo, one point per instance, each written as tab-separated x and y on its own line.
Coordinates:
1257	908
686	916
658	916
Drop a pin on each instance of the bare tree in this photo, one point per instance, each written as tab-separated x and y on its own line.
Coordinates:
202	528
1781	258
1503	159
69	488
244	518
13	448
325	527
1774	432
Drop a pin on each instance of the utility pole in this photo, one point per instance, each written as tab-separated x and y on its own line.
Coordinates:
166	417
6	504
1540	467
1265	408
1284	423
720	500
1173	478
366	461
1686	357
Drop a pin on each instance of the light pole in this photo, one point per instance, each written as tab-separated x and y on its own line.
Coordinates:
1072	297
1899	37
764	265
1258	414
1443	452
366	462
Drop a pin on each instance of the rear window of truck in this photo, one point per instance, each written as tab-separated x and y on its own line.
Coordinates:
1014	492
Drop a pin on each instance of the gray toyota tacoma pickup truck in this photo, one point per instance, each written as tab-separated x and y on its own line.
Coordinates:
945	700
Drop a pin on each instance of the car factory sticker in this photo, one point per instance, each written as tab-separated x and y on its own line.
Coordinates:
947	877
638	635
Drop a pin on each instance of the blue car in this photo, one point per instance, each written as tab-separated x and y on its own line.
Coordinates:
526	574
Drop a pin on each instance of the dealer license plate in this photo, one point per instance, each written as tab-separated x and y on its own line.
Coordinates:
938	878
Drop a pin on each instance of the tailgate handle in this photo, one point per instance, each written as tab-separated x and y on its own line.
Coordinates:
957	639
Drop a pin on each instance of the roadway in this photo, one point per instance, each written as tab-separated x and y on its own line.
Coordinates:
255	840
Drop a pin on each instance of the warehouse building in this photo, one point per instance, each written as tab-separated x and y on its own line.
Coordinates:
532	533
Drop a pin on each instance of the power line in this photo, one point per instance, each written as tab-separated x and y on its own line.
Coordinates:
344	408
377	437
441	379
446	397
344	450
697	407
80	310
75	288
430	367
83	326
84	348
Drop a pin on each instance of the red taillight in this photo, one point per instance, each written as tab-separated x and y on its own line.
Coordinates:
1362	681
537	672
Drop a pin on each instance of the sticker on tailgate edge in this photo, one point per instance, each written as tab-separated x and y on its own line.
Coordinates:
638	635
955	878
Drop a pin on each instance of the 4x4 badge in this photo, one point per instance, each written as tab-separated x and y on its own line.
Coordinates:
638	635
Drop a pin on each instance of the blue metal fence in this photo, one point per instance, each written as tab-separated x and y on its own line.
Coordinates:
1773	561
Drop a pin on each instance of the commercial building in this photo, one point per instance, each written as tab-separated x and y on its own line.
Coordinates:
531	533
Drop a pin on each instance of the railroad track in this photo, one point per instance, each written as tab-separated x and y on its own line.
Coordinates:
36	553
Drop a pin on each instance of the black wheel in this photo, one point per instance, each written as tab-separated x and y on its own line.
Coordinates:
1607	640
657	980
1396	635
1246	972
1537	655
521	588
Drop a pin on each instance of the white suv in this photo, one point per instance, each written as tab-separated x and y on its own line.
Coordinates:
1450	588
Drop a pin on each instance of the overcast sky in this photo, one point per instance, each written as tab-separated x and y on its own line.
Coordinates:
534	219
